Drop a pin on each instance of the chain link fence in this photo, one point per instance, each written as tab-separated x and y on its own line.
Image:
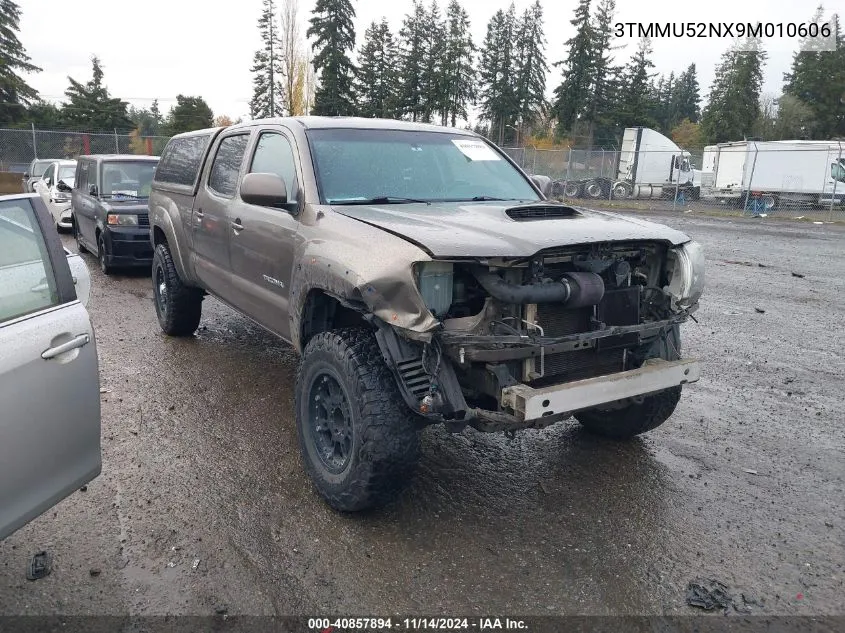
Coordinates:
18	147
790	179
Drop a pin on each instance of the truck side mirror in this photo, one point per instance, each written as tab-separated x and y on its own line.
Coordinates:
544	183
264	190
92	190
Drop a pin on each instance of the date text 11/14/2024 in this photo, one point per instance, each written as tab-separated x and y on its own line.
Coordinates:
342	625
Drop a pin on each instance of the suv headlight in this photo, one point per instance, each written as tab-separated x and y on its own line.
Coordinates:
122	219
685	275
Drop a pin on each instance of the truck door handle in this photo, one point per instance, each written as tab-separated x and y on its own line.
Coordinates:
79	341
200	214
236	224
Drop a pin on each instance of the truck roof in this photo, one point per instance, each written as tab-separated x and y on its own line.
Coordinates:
334	123
119	157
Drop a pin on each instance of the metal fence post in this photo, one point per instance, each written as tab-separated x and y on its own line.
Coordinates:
116	145
534	160
833	195
34	143
568	167
677	179
750	178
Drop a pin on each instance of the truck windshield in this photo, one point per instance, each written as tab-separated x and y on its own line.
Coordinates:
126	179
396	167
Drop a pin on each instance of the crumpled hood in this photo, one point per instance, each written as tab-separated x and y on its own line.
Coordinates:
485	230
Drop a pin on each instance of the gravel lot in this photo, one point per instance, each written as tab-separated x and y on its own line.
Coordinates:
203	504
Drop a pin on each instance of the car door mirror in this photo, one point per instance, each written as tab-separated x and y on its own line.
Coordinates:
63	186
26	175
92	190
265	190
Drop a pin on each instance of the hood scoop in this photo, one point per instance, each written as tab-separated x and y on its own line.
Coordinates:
543	211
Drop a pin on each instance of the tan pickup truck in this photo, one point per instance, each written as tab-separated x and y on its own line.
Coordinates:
425	279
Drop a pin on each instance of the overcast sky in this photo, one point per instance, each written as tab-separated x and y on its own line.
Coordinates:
161	48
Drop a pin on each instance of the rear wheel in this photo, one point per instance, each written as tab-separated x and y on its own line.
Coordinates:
572	190
769	201
594	189
358	439
178	306
622	190
638	417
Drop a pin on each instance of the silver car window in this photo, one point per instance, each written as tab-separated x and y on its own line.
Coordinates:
27	283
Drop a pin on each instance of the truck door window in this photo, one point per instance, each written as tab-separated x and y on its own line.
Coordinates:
26	277
223	178
274	155
82	177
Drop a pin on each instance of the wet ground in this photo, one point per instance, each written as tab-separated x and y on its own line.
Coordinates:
203	504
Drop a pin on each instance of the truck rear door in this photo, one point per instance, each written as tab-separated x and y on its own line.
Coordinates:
49	383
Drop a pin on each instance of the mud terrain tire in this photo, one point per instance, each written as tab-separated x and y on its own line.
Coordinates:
345	390
623	424
178	306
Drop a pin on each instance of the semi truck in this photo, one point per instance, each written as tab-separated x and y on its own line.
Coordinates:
649	165
774	173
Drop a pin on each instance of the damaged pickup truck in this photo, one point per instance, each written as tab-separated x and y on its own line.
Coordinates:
425	279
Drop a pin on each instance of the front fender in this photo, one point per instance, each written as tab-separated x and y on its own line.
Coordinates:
361	264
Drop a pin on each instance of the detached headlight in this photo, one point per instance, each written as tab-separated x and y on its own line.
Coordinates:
685	275
435	280
122	219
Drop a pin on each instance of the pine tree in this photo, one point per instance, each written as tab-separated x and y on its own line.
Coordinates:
333	30
601	109
267	91
734	103
90	107
189	113
637	104
530	67
458	80
572	95
496	74
412	59
817	79
685	97
15	93
377	79
431	75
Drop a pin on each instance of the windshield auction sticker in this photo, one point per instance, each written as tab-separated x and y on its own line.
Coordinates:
476	150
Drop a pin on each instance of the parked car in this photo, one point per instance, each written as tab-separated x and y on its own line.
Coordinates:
109	209
49	383
425	279
55	187
36	169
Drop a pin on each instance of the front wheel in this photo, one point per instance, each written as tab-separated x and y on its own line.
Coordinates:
103	256
358	439
80	247
638	417
178	306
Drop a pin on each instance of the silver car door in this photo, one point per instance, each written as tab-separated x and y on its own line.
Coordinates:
49	383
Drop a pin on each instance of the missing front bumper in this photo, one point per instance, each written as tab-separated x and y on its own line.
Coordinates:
655	375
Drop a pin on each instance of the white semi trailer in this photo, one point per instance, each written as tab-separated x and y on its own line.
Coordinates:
649	165
774	172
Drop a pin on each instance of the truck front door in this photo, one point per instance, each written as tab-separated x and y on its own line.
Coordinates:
211	226
264	239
